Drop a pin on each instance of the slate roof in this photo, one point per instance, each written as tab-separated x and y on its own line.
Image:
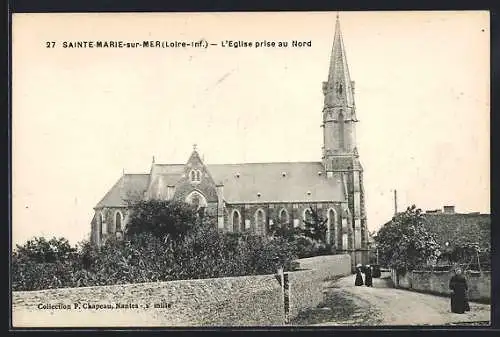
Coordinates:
242	183
460	227
268	180
133	188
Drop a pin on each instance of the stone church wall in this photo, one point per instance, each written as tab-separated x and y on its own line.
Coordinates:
247	219
295	214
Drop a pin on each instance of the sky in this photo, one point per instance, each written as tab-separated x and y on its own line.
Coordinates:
83	116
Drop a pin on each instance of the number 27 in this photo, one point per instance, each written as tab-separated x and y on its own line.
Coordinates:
50	44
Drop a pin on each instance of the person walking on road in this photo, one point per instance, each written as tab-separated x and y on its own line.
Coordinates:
368	276
458	286
359	278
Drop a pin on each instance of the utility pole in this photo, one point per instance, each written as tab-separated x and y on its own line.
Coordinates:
395	203
354	241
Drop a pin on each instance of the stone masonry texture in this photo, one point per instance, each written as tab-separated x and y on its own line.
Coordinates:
231	301
437	282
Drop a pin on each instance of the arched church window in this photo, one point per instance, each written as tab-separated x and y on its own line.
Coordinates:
195	176
260	222
197	200
118	222
236	221
109	227
284	218
332	226
308	217
102	223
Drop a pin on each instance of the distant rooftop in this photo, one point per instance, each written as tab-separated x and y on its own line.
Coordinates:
450	209
449	226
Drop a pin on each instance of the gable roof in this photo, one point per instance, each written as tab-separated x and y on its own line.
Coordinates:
129	186
276	182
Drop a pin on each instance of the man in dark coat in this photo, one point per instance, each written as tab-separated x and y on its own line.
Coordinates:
458	287
368	276
359	278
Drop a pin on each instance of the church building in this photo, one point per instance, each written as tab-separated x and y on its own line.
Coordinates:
251	196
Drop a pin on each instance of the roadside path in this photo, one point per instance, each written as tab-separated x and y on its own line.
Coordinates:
381	304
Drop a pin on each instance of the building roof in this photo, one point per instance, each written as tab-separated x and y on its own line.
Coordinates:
459	227
129	186
242	183
277	182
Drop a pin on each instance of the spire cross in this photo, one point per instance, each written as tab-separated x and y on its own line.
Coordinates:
337	15
194	147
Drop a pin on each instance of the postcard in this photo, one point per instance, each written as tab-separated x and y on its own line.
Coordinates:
250	169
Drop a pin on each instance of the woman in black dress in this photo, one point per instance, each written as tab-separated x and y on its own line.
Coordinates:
368	276
359	278
459	287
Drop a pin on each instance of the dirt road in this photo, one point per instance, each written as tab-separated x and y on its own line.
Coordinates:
381	304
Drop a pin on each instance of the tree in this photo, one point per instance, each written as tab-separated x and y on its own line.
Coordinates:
280	228
316	226
41	250
161	218
469	254
404	243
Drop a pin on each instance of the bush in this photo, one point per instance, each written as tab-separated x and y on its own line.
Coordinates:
31	275
42	251
164	241
200	252
161	218
307	242
307	247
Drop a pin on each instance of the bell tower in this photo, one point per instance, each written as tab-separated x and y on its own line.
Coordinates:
339	151
339	112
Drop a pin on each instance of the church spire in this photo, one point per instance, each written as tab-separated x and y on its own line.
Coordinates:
339	112
338	89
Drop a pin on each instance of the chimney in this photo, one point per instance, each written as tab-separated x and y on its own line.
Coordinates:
449	209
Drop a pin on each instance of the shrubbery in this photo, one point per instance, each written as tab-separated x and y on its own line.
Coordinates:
307	247
308	241
405	243
180	245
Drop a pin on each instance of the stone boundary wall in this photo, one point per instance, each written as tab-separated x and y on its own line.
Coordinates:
231	301
306	290
437	282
